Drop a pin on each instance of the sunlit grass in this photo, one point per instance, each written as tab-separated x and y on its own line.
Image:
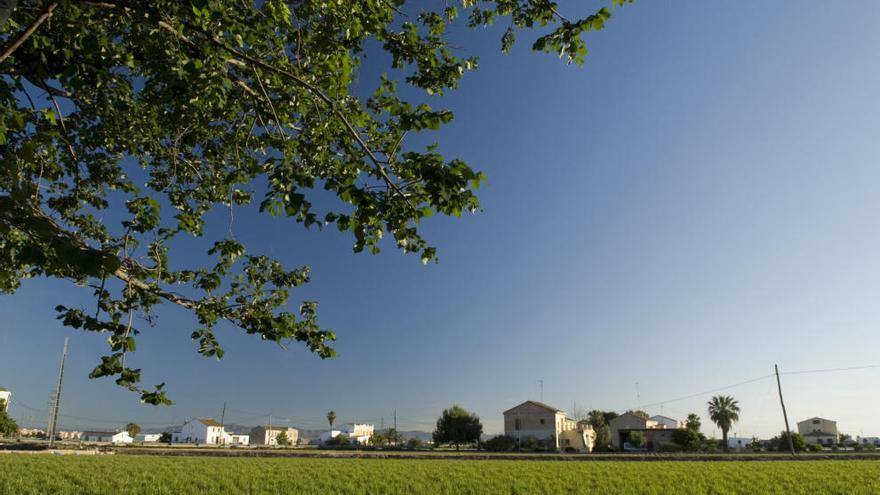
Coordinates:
41	474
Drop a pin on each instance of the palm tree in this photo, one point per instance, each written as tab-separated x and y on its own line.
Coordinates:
331	417
724	411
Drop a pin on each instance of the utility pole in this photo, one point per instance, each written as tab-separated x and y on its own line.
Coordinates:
56	402
223	416
784	414
395	420
270	429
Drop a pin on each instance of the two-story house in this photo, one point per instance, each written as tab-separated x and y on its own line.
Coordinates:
200	430
819	431
533	419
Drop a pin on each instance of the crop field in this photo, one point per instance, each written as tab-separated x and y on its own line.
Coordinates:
46	474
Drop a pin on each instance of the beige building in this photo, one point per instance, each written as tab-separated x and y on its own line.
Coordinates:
549	424
265	435
819	431
656	433
6	397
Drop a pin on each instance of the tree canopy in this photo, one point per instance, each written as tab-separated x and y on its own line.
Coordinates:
458	426
724	412
125	123
8	426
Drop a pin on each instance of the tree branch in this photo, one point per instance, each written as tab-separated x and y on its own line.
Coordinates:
47	12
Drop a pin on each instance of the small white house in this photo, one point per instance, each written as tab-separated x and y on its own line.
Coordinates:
117	437
147	437
199	430
360	433
230	438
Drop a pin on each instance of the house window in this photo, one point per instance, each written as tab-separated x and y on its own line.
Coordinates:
542	420
517	424
816	422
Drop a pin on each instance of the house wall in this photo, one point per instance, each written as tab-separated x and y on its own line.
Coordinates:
627	422
819	431
262	435
197	432
530	420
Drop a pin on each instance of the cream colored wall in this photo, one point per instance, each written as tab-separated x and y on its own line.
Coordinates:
824	426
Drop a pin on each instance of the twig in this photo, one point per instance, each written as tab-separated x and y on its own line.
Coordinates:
47	12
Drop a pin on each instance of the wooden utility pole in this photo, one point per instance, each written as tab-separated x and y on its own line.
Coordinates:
56	401
784	414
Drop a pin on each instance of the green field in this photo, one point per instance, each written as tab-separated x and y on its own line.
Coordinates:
45	474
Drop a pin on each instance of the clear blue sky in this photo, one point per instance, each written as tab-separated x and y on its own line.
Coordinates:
699	201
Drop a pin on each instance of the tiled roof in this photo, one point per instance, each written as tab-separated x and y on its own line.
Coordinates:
536	403
208	422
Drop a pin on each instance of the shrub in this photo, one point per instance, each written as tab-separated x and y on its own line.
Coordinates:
571	450
500	443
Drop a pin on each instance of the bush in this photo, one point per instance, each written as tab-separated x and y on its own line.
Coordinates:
814	447
416	444
500	443
338	441
571	450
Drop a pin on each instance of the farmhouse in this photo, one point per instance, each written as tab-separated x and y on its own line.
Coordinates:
268	435
199	430
147	437
656	433
533	419
819	431
107	436
667	422
230	438
355	432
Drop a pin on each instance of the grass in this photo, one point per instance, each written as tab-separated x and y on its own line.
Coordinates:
41	474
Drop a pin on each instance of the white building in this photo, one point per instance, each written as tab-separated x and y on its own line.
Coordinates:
107	436
199	430
266	435
5	396
230	438
147	437
667	422
355	432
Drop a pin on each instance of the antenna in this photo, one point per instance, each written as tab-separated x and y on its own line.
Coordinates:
56	402
541	383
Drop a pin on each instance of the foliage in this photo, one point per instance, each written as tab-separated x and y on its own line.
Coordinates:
688	439
8	426
125	123
779	443
458	426
693	422
338	441
603	439
181	475
637	439
165	437
417	444
389	436
133	429
639	413
724	411
500	443
331	418
281	439
756	445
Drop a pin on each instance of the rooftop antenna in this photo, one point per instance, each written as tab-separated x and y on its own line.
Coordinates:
638	397
541	383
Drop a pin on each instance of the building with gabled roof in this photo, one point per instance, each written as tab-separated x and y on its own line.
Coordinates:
200	431
548	425
819	431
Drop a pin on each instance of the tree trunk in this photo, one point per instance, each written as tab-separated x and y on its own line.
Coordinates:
724	439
